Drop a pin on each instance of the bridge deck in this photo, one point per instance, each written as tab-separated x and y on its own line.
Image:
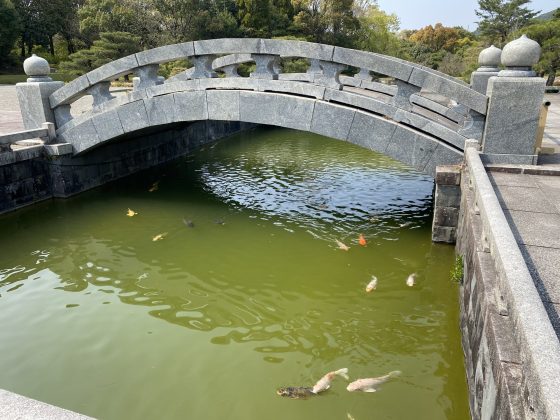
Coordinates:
531	204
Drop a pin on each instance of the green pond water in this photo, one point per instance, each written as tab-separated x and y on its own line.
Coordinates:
208	322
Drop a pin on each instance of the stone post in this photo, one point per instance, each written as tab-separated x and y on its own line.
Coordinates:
33	96
447	203
516	95
489	60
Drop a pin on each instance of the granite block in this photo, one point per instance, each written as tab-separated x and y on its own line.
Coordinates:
372	132
70	91
227	46
276	109
544	266
81	137
538	229
524	199
165	54
374	62
223	105
113	70
160	109
133	116
288	48
190	106
513	115
332	120
108	125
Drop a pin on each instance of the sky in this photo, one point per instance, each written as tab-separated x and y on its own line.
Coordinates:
415	14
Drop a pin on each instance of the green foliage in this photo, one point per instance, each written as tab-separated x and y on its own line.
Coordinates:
9	28
136	17
110	46
500	18
457	270
377	30
547	34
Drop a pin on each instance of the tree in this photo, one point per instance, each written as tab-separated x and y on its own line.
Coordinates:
500	18
377	30
547	34
439	37
327	21
110	46
137	17
9	28
254	14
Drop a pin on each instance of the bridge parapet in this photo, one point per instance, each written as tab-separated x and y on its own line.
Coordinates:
326	63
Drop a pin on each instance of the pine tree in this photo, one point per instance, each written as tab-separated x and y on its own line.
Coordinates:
501	18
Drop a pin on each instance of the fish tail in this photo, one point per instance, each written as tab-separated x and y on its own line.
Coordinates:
394	374
343	373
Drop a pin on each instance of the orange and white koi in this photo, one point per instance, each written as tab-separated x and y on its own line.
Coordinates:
361	240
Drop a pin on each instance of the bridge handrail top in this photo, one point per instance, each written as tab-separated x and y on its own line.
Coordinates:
378	63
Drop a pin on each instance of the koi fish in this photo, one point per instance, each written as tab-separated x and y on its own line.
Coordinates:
361	240
371	384
154	187
411	280
188	223
296	392
372	284
159	237
131	213
342	246
325	382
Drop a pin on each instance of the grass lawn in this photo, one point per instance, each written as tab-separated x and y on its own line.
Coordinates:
12	79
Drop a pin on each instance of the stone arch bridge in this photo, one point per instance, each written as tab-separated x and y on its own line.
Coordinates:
423	119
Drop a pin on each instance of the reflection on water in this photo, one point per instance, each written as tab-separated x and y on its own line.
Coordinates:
256	283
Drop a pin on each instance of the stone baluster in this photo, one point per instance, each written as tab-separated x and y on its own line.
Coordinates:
147	76
203	67
231	70
314	66
265	66
33	96
404	92
100	93
62	114
330	75
514	106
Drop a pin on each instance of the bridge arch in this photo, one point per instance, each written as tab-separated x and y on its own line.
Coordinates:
422	120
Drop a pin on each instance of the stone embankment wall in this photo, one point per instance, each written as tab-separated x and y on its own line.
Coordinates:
492	360
30	181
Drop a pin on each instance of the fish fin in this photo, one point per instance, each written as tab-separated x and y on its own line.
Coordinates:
343	373
395	373
370	390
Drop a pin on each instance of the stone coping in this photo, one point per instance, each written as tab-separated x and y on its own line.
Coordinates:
15	406
524	169
534	333
389	66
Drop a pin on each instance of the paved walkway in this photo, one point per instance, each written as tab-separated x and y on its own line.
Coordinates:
10	117
531	204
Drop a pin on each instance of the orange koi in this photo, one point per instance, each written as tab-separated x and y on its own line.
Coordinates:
361	240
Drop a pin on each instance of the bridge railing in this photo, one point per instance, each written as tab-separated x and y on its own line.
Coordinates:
326	63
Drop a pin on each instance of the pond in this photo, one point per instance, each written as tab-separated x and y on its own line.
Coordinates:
229	283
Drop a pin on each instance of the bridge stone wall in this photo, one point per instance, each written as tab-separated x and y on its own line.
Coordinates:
30	181
492	360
